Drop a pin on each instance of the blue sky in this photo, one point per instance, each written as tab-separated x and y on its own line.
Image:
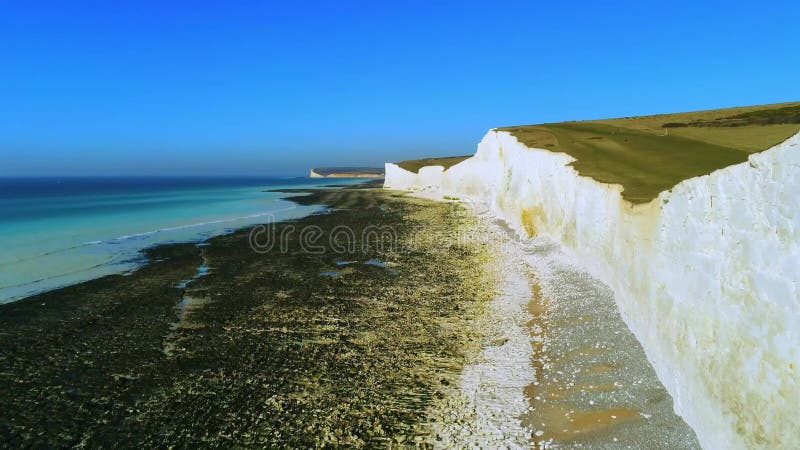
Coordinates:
154	88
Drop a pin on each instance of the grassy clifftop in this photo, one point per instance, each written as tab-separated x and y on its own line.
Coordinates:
650	154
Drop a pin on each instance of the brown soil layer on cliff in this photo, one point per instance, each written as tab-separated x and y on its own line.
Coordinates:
651	154
262	351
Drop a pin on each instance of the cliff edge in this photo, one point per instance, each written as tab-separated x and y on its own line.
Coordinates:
701	253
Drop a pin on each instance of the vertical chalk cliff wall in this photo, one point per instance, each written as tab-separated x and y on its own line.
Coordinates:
706	275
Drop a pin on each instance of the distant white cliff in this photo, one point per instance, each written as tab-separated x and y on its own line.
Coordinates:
346	172
706	275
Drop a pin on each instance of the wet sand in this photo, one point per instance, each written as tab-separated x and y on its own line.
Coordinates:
594	387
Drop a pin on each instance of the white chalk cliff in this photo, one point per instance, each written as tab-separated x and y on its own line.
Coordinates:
706	275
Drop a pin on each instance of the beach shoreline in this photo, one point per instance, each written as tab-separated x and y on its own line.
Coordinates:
438	327
275	352
60	232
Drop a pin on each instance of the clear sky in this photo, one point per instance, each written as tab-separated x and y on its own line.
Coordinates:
236	87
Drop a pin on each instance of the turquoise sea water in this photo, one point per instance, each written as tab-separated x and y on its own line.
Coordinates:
56	232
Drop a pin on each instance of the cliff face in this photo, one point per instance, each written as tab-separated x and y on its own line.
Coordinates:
705	275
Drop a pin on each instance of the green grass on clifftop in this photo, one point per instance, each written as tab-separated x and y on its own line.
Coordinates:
446	162
651	154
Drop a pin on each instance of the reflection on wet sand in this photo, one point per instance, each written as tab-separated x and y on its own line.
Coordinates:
555	419
563	425
594	387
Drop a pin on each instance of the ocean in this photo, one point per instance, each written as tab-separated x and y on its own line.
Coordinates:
60	231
